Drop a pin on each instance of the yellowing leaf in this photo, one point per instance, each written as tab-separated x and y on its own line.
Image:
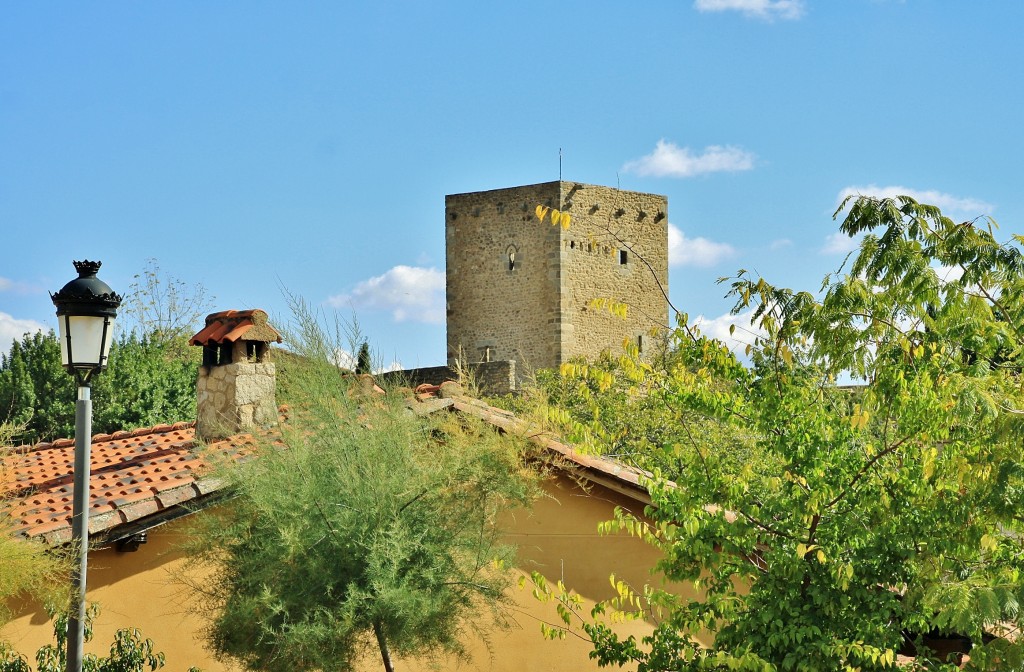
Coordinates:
555	216
859	419
928	462
566	220
541	212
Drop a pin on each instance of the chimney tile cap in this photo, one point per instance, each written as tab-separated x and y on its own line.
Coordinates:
229	326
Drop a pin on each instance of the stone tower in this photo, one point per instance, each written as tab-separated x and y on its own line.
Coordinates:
522	289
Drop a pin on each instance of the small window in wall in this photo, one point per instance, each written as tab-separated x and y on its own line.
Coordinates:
510	255
623	257
640	343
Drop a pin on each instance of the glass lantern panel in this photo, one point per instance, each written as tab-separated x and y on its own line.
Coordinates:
107	341
87	346
62	336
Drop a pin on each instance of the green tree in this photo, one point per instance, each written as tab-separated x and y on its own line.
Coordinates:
146	382
873	516
36	394
611	406
360	520
363	362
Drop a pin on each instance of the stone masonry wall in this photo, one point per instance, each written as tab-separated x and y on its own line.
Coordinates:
616	249
491	378
235	398
539	312
495	312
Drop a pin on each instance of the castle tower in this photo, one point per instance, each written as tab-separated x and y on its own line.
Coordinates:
522	289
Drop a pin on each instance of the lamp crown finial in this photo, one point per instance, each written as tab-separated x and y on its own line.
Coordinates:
87	269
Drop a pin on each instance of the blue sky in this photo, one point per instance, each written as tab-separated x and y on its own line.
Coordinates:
257	146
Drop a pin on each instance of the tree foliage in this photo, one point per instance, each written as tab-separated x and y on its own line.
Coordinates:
146	383
364	363
36	395
611	406
163	308
871	518
361	523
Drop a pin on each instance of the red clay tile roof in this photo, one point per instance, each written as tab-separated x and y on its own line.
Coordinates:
148	472
134	475
230	325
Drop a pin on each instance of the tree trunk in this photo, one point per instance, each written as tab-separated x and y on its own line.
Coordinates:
383	644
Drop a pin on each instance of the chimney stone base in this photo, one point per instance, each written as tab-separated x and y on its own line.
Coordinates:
235	398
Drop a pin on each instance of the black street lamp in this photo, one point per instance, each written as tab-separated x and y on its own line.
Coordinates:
86	308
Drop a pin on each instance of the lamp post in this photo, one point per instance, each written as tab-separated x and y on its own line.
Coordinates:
86	309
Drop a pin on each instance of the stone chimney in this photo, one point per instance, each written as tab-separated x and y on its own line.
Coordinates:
236	383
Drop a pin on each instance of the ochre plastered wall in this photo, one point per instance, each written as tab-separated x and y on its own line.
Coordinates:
538	312
557	537
136	589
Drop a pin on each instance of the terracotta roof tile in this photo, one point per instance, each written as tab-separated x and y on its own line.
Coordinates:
230	325
134	474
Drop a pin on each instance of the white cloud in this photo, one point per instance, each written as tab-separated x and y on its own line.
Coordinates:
780	244
412	294
758	9
701	252
670	160
840	243
346	360
17	287
12	329
395	365
948	203
718	327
